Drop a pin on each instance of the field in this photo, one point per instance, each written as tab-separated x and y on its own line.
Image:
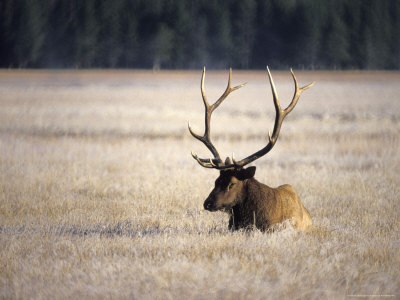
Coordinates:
100	197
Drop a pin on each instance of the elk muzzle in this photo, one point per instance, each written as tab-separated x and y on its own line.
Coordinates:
220	200
209	204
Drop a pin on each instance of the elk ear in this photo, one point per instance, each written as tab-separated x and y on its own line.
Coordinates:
246	173
227	161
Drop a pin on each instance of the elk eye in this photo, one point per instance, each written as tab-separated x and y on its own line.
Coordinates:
230	185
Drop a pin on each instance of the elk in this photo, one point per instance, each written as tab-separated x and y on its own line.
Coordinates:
250	203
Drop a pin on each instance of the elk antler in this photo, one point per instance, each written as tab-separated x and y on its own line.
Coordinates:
280	115
216	162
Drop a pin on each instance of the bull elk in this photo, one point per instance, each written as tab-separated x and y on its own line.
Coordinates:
248	202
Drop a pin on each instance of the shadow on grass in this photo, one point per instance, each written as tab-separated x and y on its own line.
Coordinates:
120	229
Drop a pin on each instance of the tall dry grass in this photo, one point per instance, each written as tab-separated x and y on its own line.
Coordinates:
100	198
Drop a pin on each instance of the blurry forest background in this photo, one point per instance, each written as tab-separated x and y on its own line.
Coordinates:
187	34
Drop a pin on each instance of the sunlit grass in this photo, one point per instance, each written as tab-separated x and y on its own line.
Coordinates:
100	198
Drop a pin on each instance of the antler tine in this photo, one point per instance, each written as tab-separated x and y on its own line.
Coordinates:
195	135
295	82
274	92
297	93
216	162
203	94
204	162
228	90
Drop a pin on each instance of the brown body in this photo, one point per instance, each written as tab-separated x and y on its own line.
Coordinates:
249	202
252	203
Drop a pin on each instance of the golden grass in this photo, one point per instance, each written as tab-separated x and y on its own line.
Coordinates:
100	198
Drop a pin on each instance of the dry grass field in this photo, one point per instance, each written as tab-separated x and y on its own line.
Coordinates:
100	198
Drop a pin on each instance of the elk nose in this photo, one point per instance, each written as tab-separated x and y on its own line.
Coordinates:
207	205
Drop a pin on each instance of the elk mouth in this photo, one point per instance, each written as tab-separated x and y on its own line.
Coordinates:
210	207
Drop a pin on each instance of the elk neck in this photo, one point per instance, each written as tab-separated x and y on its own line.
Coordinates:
248	203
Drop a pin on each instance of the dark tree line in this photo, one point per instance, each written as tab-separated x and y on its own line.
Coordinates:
312	34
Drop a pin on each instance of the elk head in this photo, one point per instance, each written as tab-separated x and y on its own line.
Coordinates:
229	186
229	189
